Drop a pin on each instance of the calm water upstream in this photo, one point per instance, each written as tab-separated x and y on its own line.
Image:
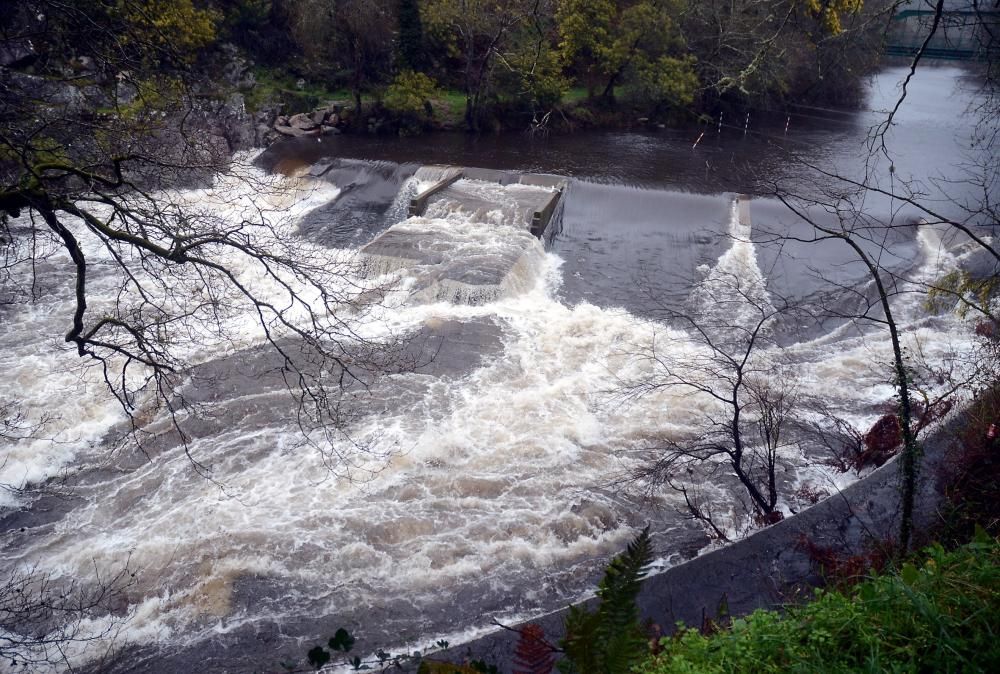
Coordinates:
492	498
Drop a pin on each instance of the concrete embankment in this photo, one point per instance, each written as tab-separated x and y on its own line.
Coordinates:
767	569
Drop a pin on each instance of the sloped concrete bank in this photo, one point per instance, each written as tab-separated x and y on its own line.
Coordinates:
768	568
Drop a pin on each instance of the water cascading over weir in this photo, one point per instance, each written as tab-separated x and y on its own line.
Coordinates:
473	235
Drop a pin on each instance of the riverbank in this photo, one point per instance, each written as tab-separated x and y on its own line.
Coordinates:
841	539
320	113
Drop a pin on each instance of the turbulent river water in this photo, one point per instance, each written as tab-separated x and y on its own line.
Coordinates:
495	495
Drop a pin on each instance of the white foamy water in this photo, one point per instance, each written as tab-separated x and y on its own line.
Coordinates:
483	478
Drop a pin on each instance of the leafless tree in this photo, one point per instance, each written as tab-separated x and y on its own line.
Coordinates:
353	35
48	623
752	49
962	206
119	193
737	369
108	196
482	29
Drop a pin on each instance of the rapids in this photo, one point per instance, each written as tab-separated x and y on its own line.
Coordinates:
483	484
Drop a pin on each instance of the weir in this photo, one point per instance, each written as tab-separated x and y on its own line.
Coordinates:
472	235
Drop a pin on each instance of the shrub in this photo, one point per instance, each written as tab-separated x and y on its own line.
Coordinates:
410	94
970	473
942	616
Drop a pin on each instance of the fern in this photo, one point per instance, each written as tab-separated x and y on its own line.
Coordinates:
610	640
533	655
622	581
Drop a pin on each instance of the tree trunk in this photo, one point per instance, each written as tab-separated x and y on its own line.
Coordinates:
358	78
908	459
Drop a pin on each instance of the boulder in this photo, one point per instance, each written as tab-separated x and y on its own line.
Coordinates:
335	106
55	95
236	104
268	115
329	130
236	70
17	53
263	135
301	122
291	131
125	92
318	116
96	97
64	96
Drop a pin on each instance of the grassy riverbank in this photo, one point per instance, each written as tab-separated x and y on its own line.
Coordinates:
938	612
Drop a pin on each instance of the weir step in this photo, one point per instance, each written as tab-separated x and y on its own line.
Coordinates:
419	203
478	243
540	219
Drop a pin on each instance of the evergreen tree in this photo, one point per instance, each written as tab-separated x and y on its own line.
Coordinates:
411	36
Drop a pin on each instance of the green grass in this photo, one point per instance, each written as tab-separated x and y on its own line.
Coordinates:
276	86
941	614
449	106
574	95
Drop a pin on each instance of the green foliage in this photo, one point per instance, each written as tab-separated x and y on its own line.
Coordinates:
340	642
585	32
177	24
970	472
964	291
637	43
829	12
410	94
610	640
483	667
941	615
667	80
343	642
246	16
534	75
41	149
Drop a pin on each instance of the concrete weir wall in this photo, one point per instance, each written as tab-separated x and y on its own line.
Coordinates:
767	569
471	236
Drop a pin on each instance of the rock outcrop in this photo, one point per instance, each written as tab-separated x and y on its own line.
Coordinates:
325	120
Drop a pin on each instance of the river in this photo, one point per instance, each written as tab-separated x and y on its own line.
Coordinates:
486	483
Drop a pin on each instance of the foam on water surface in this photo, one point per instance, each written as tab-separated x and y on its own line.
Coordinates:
486	487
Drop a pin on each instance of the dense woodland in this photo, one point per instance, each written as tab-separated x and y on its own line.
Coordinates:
477	64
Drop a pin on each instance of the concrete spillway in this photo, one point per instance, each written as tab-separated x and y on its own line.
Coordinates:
473	235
